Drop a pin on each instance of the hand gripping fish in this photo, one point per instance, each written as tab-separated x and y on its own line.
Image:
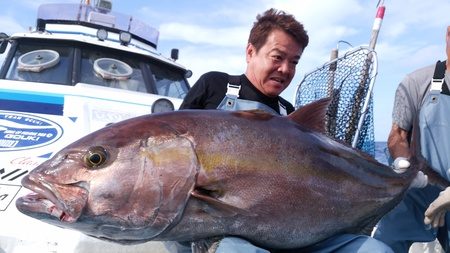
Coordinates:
197	175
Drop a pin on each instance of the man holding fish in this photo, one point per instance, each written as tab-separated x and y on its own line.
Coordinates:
227	181
274	48
425	94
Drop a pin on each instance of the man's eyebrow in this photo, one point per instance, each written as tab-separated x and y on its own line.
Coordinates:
276	50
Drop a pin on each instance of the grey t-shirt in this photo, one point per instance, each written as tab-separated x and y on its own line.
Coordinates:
409	95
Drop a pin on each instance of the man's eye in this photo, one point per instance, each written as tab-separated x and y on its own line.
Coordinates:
277	57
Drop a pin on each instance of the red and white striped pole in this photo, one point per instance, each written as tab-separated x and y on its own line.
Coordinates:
377	25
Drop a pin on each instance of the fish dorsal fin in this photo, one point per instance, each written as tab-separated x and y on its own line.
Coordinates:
312	115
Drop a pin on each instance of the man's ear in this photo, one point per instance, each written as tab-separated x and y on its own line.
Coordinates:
249	52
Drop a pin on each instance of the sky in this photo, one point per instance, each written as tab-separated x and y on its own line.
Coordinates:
212	35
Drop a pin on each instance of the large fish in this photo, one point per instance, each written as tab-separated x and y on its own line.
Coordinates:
199	174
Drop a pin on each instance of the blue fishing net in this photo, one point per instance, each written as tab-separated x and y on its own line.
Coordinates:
348	80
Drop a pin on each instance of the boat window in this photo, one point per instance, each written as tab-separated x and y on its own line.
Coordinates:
38	60
110	70
4	54
169	82
39	63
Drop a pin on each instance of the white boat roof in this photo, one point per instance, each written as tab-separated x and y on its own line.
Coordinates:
86	14
80	22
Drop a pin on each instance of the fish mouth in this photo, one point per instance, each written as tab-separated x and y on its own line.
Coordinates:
54	200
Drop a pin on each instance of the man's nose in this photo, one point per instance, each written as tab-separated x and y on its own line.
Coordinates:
286	67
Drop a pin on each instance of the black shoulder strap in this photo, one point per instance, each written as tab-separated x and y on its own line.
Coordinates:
236	80
439	73
439	70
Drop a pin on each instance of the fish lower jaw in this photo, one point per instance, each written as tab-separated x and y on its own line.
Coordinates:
56	212
36	203
53	210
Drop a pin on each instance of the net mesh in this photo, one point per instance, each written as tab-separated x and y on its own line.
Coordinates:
348	80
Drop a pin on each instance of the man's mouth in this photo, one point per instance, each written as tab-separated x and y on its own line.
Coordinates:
278	79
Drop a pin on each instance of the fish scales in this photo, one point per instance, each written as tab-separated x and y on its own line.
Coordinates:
197	174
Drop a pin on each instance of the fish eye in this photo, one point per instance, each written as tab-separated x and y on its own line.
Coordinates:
95	157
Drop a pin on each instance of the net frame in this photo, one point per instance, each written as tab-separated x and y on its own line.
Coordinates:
349	81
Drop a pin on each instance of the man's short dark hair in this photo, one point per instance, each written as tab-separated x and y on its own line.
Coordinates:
273	19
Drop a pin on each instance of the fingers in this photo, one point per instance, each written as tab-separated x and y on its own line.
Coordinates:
435	219
431	214
428	220
435	213
440	220
420	181
401	164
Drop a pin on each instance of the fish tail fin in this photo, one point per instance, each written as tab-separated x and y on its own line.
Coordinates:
419	163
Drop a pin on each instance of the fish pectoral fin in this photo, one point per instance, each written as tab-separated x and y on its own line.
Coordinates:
217	207
208	245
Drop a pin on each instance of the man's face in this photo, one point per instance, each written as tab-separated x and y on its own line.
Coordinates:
272	68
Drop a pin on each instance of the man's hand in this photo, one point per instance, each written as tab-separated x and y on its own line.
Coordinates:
420	181
435	214
401	165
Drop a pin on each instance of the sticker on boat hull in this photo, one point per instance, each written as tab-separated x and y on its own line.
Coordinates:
23	131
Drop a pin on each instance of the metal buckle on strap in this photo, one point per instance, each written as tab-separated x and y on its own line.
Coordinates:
436	85
233	90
